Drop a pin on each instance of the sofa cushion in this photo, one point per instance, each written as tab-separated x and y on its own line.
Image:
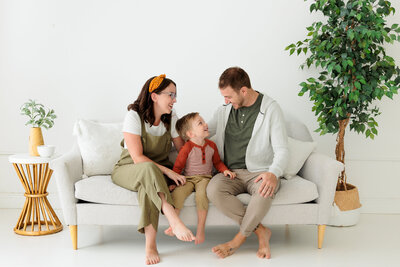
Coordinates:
298	154
99	144
100	189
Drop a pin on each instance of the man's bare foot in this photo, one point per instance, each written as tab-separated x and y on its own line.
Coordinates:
182	232
171	187
152	256
169	232
264	235
199	236
227	249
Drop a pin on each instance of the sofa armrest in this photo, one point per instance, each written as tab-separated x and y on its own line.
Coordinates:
324	172
68	170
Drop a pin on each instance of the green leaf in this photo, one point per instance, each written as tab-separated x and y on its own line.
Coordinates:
350	34
312	7
289	46
394	26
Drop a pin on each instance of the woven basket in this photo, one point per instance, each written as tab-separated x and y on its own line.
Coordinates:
348	199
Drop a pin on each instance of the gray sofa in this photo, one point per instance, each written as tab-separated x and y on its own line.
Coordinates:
305	199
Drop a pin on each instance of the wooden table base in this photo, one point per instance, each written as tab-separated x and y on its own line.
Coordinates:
37	216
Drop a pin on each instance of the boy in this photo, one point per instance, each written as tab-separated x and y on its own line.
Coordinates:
196	159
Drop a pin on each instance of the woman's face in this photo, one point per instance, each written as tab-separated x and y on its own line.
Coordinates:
165	100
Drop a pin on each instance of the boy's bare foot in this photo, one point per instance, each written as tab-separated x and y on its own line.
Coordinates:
199	236
171	187
264	235
227	249
152	256
182	232
169	232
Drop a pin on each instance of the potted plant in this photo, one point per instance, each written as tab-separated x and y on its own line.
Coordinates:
354	70
38	117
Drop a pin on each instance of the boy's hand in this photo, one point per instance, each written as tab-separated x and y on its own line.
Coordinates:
232	175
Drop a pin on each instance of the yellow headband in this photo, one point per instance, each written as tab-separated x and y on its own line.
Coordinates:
155	83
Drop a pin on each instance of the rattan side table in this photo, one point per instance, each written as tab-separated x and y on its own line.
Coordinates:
37	216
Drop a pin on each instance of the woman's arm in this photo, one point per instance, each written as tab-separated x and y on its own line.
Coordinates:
135	148
178	143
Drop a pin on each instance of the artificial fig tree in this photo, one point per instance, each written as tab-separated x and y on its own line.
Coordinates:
347	48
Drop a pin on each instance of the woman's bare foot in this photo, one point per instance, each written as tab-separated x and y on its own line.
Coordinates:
182	232
264	235
227	249
169	232
199	236
152	256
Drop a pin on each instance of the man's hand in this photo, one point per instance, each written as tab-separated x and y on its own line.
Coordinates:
232	175
268	185
177	178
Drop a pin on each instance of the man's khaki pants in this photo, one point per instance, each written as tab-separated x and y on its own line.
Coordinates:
222	192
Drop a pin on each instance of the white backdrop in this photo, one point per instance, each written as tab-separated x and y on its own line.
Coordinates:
89	59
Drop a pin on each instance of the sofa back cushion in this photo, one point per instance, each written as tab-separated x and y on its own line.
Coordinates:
99	144
296	129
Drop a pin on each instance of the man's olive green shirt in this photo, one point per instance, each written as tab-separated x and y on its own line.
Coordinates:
238	131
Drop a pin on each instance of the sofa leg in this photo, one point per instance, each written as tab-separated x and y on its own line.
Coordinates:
321	232
73	229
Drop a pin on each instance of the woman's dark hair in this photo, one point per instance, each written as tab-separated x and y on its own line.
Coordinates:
144	104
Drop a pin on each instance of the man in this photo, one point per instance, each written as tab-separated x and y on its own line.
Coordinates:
251	138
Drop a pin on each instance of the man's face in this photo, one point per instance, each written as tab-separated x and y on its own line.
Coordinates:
236	98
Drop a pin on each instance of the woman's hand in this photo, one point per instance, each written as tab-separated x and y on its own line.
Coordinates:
177	178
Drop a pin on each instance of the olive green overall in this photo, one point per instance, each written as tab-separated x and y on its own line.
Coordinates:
146	178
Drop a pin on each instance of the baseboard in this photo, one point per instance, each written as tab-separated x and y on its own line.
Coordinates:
17	200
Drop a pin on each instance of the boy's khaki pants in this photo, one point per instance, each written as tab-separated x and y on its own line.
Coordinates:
196	183
222	192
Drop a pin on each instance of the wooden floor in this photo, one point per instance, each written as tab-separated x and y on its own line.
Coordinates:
373	242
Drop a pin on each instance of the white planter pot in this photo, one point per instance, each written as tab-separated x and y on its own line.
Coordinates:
344	218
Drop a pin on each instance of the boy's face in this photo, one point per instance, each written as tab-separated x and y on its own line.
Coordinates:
199	128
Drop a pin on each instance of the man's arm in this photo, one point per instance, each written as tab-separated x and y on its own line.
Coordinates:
281	155
212	124
279	142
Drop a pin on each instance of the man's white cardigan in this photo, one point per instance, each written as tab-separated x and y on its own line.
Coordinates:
268	146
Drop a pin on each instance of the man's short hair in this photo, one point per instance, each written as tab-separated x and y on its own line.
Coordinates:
234	77
184	124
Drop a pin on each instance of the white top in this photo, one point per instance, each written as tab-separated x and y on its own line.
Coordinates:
28	159
268	146
133	125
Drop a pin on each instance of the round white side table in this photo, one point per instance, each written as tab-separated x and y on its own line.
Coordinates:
37	216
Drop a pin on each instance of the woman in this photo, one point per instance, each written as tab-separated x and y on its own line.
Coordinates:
149	128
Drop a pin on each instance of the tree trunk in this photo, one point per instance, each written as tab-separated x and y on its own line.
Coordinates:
341	185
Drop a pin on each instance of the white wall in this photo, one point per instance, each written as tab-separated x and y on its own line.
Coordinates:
89	59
